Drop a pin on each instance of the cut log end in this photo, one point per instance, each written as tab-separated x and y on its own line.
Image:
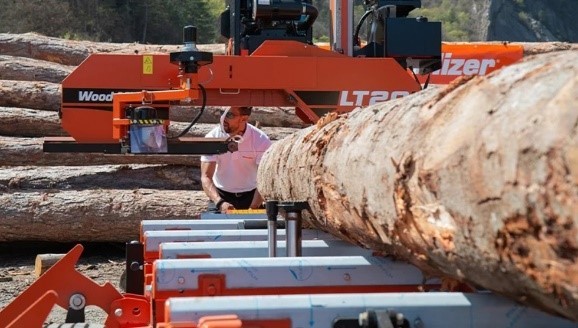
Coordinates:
44	262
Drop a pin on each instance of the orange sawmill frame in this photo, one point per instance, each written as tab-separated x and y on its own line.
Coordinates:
278	74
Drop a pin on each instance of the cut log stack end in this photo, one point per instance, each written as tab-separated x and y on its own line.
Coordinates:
477	183
43	262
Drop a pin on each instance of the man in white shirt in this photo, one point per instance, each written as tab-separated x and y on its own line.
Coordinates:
230	179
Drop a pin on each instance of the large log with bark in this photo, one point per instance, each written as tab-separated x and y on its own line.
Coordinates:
266	116
28	151
162	177
73	52
47	96
100	215
478	183
30	94
29	69
15	151
25	122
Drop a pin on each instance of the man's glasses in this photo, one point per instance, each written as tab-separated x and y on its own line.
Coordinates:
231	115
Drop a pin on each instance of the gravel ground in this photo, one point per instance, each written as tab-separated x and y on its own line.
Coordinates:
100	262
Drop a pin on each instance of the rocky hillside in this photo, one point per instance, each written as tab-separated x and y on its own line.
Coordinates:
505	20
533	20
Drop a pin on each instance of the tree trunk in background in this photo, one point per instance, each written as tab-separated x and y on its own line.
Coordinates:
27	69
28	151
24	122
30	94
166	177
534	48
99	215
71	52
266	116
479	183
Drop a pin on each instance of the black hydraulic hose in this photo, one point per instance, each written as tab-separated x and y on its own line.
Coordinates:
312	13
358	27
194	121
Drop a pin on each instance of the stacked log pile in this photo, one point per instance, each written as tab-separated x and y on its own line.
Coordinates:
478	182
53	197
71	197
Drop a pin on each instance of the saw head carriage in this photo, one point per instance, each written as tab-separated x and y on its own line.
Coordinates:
117	103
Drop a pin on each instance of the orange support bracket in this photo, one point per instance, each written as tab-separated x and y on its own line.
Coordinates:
131	311
36	313
57	286
220	321
120	123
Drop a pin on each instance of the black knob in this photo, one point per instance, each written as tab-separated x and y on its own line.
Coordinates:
272	209
190	34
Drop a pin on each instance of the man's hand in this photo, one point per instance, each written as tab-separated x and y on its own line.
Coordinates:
257	201
226	207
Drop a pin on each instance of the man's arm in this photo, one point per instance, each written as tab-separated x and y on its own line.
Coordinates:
207	172
263	145
257	200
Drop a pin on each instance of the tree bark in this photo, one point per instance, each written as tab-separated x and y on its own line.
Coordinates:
24	122
30	94
71	52
28	151
28	69
99	215
266	116
535	48
478	182
43	262
166	177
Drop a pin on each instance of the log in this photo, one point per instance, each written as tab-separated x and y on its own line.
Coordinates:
28	69
167	177
25	122
44	262
95	215
28	151
72	52
201	129
47	96
535	48
30	94
478	182
266	116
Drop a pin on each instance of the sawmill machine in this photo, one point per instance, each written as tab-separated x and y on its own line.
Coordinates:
120	103
228	271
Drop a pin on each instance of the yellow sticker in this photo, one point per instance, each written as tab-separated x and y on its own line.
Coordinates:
147	64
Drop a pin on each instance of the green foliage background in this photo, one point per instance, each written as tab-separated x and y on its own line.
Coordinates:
161	21
145	21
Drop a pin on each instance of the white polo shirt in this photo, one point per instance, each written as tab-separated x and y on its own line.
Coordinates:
237	171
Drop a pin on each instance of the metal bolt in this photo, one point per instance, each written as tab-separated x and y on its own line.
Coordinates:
347	277
135	266
363	319
211	290
418	323
118	312
399	318
77	302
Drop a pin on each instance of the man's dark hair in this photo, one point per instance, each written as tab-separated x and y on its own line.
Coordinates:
245	110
